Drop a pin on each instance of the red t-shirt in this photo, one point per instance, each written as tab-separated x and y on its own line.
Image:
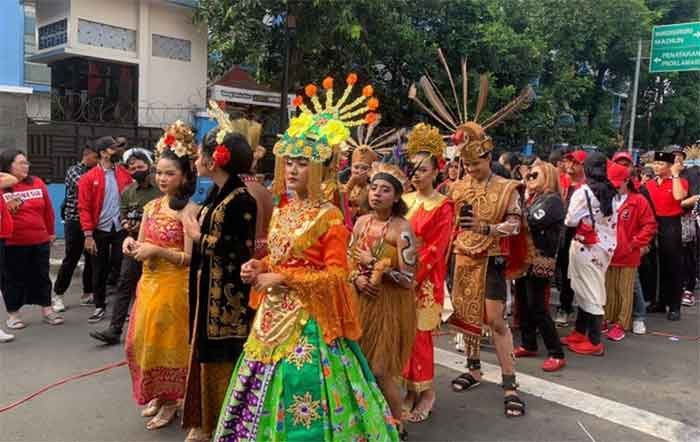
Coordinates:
662	197
34	219
6	223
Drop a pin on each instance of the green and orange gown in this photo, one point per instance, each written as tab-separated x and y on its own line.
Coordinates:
302	376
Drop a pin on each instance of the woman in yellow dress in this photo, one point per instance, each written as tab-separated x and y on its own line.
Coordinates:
383	262
157	343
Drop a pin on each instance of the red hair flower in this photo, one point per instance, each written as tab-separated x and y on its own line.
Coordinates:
169	140
310	90
298	101
352	79
221	155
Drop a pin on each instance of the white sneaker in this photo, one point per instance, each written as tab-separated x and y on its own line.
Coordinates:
561	318
639	328
57	304
6	337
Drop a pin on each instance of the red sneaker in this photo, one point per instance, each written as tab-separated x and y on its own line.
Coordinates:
586	348
573	338
553	364
616	333
521	352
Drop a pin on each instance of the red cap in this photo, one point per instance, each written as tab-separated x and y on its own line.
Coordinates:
578	155
617	173
622	155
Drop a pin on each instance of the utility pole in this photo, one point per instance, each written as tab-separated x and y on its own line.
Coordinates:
635	90
285	77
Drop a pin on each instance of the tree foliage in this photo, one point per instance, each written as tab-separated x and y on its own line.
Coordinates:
577	54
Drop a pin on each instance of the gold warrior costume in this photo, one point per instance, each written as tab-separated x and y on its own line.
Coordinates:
494	203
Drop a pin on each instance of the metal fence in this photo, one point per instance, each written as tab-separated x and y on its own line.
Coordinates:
53	146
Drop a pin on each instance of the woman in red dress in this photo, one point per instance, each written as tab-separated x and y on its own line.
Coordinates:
431	215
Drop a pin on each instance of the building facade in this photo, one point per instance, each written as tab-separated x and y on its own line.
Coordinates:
23	85
130	62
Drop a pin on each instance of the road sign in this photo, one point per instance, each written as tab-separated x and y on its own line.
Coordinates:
675	48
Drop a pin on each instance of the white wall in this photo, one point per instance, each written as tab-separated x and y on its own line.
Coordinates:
173	87
120	13
51	11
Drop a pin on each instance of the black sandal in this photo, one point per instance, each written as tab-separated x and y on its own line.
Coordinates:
464	382
403	434
514	405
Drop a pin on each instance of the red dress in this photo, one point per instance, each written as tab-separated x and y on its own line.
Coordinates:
432	220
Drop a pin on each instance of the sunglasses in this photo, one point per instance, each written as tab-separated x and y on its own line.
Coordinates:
532	176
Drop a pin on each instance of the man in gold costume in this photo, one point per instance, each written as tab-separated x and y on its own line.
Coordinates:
488	220
489	212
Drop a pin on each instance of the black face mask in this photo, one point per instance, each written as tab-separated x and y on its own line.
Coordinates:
140	176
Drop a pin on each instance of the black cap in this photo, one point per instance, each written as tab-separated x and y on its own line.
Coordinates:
104	143
674	149
666	157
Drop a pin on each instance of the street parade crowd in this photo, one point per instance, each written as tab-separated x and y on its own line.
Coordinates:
305	308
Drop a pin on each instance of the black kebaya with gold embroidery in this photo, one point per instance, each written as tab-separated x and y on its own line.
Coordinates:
220	317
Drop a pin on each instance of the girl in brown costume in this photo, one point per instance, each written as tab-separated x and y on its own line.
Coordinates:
383	259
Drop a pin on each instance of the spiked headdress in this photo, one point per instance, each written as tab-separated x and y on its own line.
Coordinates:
367	149
316	134
468	134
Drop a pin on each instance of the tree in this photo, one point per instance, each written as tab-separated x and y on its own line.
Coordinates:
576	54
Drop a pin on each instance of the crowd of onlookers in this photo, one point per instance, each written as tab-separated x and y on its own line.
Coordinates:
651	206
103	205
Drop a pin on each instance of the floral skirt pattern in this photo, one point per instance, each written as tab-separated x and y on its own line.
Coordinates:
319	392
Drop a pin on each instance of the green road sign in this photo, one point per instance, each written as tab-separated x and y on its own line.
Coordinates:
675	48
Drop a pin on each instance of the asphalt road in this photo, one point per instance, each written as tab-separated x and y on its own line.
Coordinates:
645	375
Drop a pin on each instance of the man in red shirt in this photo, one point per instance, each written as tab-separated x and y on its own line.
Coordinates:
666	192
636	227
98	206
573	165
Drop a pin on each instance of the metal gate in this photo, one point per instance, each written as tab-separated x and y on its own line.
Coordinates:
53	146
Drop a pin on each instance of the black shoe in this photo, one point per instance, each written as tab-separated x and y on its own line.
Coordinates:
109	336
674	315
656	308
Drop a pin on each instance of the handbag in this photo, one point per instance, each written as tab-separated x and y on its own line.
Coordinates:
585	233
543	266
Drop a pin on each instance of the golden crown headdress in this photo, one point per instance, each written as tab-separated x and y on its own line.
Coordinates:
469	135
315	133
426	138
381	168
692	152
177	138
250	130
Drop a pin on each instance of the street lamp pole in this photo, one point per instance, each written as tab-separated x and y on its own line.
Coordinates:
635	90
289	26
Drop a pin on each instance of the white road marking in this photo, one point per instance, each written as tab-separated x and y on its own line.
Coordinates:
609	410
